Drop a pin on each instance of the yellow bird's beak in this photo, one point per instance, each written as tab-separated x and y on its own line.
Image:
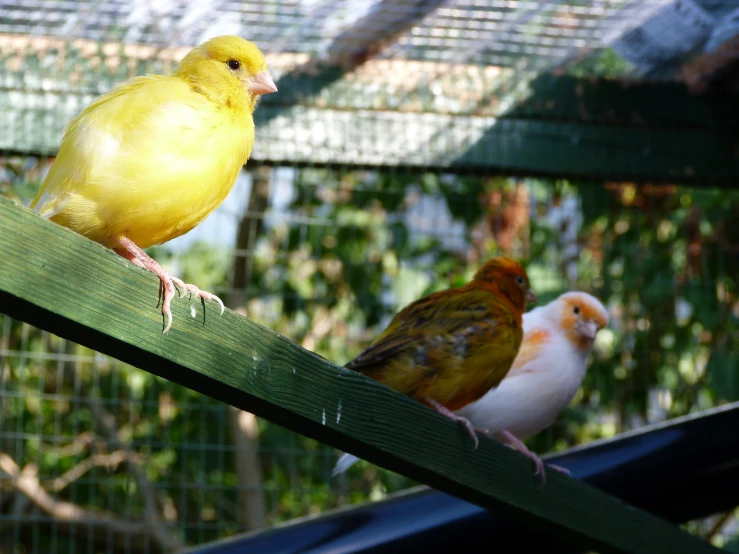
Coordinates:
262	84
530	296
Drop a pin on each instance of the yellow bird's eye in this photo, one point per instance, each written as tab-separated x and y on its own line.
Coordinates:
233	64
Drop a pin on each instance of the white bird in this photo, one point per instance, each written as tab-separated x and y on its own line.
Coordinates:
548	370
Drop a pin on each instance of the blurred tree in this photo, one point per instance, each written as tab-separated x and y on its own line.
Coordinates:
244	428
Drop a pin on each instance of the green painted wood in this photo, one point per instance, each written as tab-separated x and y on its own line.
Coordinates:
57	280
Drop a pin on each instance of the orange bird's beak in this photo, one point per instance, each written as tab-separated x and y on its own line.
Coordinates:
262	84
530	296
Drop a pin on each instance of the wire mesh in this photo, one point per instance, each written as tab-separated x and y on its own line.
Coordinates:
98	456
56	395
504	33
488	32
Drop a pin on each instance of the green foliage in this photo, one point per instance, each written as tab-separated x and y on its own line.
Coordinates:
20	177
352	248
605	62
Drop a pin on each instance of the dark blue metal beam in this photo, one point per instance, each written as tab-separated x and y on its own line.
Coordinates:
680	470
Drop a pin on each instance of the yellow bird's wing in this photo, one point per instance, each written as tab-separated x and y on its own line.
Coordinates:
149	160
80	151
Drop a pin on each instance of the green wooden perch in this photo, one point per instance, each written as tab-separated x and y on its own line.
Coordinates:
59	281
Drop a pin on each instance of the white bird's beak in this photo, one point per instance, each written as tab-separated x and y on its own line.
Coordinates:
262	83
588	329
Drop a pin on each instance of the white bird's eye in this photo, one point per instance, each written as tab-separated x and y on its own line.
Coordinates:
576	309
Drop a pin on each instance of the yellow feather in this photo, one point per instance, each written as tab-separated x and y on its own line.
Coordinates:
154	157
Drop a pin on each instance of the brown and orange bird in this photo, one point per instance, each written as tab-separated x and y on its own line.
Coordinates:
450	347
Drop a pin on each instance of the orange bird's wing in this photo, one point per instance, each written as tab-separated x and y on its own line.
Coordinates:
438	313
447	344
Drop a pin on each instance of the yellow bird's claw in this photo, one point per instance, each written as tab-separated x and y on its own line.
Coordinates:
208	296
169	322
194	290
168	284
167	296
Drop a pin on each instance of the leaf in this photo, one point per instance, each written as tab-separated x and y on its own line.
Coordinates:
723	370
408	286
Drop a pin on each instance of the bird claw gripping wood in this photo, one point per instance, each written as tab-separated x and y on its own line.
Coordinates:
126	248
459	419
513	442
194	290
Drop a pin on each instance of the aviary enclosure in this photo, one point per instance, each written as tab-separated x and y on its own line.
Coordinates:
409	141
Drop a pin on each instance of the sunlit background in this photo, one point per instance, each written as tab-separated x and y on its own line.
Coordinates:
377	177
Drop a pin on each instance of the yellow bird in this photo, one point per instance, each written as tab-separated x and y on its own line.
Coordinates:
153	158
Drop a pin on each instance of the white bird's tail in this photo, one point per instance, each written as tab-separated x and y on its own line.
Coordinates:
345	462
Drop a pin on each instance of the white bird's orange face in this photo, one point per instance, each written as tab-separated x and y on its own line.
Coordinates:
582	317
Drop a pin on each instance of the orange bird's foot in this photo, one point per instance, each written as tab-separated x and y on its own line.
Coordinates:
134	254
516	444
454	417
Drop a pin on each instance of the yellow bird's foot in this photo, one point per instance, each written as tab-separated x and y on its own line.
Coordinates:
454	417
516	444
192	289
136	255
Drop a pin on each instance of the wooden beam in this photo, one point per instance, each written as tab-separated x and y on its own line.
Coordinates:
59	281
